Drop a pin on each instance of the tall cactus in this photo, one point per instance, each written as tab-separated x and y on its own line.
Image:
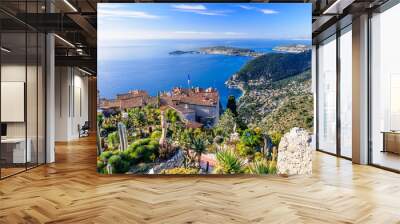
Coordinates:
123	137
98	139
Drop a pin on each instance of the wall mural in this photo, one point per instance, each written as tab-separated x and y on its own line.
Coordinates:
204	88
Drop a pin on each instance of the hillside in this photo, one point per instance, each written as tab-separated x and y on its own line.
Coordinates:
295	111
277	92
274	66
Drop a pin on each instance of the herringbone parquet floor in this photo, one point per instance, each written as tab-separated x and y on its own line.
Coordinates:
70	191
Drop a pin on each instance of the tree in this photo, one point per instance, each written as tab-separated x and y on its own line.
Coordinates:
138	118
226	124
199	146
172	116
173	119
100	119
151	115
231	105
184	139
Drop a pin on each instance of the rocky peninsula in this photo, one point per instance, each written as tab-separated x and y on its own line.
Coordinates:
221	50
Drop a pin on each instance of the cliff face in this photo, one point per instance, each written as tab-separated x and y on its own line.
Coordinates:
276	92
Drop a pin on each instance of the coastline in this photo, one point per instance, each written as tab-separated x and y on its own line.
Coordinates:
231	84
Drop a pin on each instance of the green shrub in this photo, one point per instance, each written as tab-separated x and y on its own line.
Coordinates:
109	128
139	142
100	118
143	150
118	164
105	155
275	138
245	150
114	160
156	135
100	164
250	138
258	156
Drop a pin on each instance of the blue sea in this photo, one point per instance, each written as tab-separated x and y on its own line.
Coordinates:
147	65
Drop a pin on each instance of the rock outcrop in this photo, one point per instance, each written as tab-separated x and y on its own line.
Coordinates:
176	161
295	153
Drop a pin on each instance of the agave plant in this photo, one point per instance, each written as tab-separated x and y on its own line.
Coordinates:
259	167
228	163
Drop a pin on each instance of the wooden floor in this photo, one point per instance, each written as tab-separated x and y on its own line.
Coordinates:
386	159
70	191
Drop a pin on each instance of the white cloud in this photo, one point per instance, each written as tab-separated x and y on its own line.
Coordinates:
107	13
199	9
268	11
113	36
246	7
264	11
189	7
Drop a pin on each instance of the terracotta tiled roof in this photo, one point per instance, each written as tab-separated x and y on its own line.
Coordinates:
195	96
175	99
132	102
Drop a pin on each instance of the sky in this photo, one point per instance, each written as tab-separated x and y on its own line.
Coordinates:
124	22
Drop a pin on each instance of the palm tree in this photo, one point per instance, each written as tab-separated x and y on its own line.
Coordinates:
199	146
184	139
172	118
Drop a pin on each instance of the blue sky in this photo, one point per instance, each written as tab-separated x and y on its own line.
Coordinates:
128	22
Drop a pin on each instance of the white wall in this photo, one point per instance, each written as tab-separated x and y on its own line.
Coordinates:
33	126
71	102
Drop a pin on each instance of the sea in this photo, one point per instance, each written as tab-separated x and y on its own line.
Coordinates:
147	65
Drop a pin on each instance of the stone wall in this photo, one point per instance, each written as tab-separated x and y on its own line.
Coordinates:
295	153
